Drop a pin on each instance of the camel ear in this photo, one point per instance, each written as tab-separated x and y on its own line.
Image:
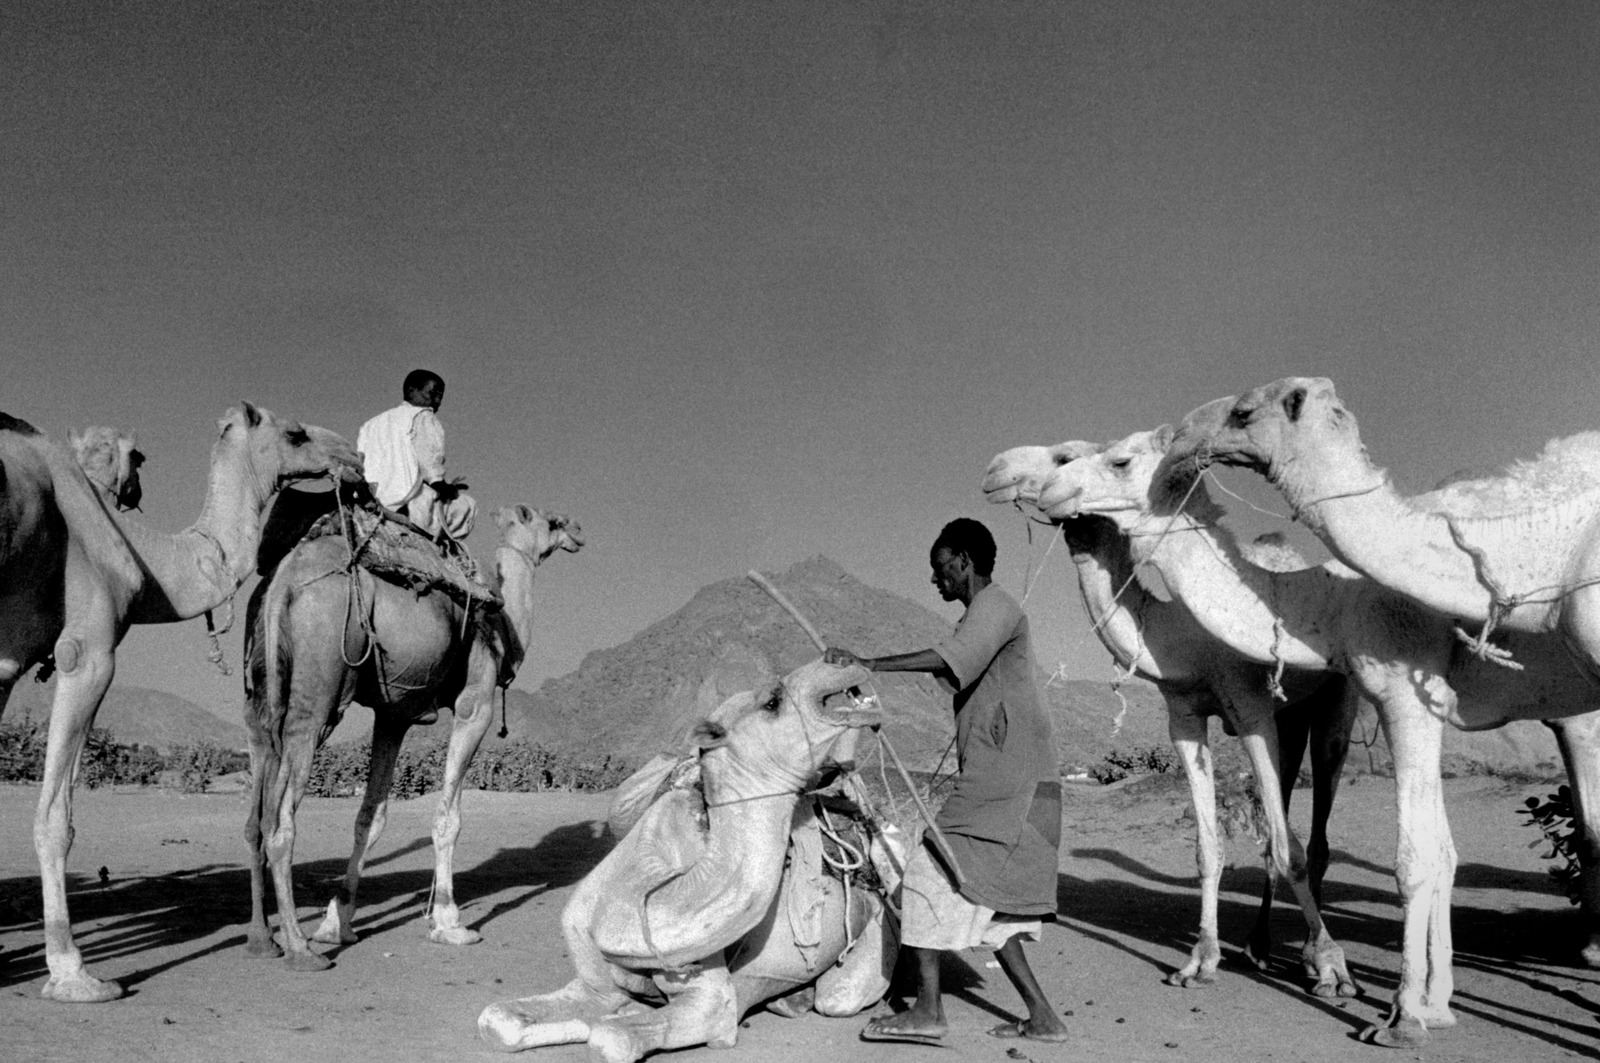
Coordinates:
74	438
252	415
1161	439
525	513
1294	403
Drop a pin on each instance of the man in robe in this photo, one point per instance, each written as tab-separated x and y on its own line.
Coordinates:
403	448
986	877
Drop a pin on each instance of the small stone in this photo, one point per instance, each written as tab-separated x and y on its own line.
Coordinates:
1122	1020
1172	1044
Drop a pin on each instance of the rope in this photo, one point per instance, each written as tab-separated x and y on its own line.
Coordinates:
1501	604
883	740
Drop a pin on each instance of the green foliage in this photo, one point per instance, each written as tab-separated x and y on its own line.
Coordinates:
1147	760
107	762
21	751
1553	817
518	767
337	771
194	766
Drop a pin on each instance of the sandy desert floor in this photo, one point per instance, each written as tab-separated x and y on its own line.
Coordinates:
167	922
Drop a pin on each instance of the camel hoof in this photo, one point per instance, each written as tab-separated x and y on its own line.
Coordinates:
609	1044
454	935
1185	980
1591	954
326	935
303	962
84	989
262	948
1406	1033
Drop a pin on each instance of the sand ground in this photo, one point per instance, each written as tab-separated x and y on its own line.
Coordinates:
167	921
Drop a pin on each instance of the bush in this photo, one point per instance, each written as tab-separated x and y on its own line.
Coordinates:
107	762
517	767
194	766
1149	760
1553	817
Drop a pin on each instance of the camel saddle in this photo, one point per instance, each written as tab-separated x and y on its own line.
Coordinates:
398	554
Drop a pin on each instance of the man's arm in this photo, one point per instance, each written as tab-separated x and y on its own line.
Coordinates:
427	444
920	661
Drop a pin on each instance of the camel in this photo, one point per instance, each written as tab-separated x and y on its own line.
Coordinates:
687	924
111	460
1200	677
1400	655
318	637
1517	552
74	575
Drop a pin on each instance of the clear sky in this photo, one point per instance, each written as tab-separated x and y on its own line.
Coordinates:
736	284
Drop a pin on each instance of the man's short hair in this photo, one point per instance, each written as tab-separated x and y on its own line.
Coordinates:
967	536
418	379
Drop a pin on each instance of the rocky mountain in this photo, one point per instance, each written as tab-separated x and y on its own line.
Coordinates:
641	697
135	716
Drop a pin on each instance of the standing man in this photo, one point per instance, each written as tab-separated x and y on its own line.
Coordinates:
403	448
996	880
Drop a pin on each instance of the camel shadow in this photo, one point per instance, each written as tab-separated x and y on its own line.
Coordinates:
1143	906
124	918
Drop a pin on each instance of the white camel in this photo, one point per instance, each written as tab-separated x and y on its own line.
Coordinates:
320	636
683	927
1520	551
1401	656
74	575
1200	677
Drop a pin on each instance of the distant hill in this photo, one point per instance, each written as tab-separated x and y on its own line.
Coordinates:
135	715
642	697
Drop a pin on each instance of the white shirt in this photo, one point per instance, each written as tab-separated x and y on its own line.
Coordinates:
402	448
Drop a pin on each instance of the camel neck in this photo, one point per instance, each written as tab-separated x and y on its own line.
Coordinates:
1265	616
1460	566
198	569
1120	609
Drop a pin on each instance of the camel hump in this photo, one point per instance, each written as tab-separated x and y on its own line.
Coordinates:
9	423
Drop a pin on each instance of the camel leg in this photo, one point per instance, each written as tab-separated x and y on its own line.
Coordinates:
294	771
1578	738
85	657
565	1015
1424	871
1288	858
387	736
1188	729
701	1009
1294	727
1331	724
474	711
264	767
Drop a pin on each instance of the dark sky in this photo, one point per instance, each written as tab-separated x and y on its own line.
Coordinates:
738	284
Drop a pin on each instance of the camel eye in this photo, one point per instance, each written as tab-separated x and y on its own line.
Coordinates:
774	701
297	436
1120	464
1062	459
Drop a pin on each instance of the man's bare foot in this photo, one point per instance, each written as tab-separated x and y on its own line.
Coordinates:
1053	1031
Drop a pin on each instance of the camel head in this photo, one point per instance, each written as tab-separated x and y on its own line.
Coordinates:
1016	475
1296	419
778	740
536	534
1128	482
276	451
111	460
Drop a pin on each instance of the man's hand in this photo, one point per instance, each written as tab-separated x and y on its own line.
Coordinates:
843	658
